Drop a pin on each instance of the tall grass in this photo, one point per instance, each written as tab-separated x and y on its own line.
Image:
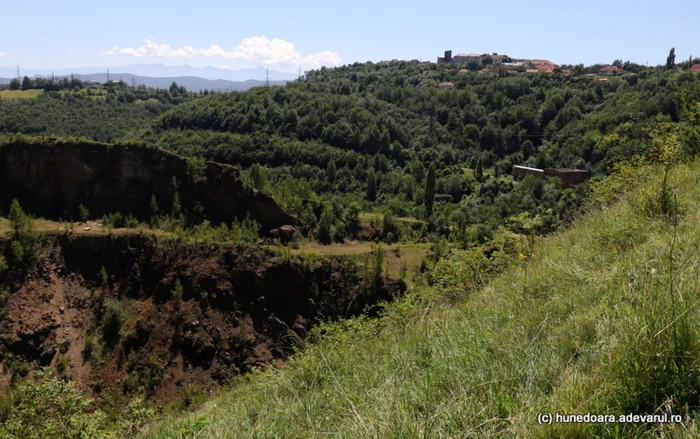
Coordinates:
601	318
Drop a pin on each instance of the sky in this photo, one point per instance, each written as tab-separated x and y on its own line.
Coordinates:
284	35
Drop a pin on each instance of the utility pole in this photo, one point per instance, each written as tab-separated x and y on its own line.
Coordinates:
299	71
133	82
18	76
267	77
107	75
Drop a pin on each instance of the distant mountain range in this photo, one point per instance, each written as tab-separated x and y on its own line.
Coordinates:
161	76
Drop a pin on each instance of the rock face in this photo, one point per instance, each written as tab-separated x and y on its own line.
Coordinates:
52	177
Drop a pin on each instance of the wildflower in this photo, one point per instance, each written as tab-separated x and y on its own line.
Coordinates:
522	257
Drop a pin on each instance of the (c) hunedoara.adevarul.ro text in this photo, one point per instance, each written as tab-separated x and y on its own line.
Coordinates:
590	418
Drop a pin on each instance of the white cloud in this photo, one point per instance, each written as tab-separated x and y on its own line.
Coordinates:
258	50
70	51
155	50
3	53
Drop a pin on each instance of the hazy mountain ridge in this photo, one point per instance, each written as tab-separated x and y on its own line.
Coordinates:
192	83
161	76
156	70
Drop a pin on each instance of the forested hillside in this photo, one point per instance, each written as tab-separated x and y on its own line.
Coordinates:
105	114
368	134
526	295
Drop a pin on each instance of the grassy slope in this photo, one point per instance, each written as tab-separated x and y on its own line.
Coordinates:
582	326
20	94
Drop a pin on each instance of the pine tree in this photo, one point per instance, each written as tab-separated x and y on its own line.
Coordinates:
27	84
430	191
371	185
258	177
331	171
479	172
154	210
671	59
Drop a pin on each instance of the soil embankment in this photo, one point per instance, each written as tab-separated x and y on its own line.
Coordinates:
108	311
51	178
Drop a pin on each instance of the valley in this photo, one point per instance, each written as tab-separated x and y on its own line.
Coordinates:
365	251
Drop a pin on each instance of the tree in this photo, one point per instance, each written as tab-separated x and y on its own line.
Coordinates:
154	210
324	225
257	176
23	247
486	60
671	59
27	84
371	185
331	171
83	213
473	64
430	191
479	171
15	84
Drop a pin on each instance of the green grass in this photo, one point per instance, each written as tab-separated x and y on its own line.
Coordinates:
367	217
395	254
588	322
20	94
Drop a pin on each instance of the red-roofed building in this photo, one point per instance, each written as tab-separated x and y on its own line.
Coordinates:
446	86
542	66
610	71
695	68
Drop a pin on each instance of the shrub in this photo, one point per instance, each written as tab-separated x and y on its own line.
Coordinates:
88	347
112	322
83	213
23	246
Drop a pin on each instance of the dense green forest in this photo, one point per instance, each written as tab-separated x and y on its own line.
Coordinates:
365	135
111	112
384	138
430	169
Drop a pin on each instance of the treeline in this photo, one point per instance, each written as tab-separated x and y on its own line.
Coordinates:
367	133
77	116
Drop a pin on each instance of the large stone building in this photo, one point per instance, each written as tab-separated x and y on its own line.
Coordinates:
463	58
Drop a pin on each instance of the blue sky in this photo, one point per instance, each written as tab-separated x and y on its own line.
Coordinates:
283	34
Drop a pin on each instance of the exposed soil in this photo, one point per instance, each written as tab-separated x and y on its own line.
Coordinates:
241	307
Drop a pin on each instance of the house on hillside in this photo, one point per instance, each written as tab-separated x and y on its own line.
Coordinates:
695	68
446	86
568	176
497	59
443	197
523	171
610	71
540	66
